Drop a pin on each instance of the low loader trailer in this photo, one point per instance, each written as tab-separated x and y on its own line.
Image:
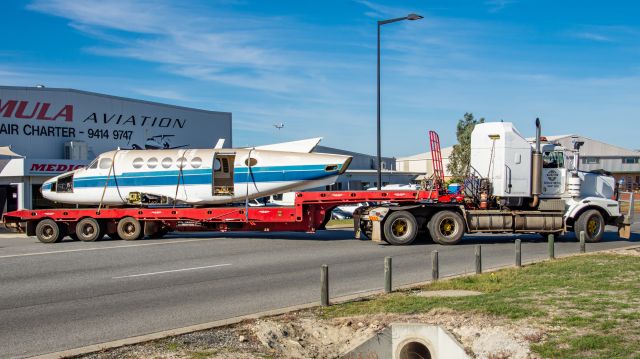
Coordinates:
311	212
514	186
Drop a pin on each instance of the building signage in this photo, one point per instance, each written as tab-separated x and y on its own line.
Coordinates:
51	167
37	122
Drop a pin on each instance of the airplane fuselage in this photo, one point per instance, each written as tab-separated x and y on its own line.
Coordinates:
193	176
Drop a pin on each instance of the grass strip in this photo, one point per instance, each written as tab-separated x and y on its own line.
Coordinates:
592	300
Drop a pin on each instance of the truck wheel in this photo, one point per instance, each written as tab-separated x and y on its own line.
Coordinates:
48	231
592	224
89	230
129	229
400	228
446	227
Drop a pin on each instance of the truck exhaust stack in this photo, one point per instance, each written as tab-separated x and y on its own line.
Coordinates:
536	170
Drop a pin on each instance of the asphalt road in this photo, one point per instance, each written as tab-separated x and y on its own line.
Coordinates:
71	294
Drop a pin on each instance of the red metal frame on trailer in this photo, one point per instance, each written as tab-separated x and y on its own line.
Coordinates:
308	213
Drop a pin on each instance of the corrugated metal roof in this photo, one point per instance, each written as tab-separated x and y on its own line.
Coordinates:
106	96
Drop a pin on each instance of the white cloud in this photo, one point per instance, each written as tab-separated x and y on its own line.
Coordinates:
498	5
621	34
163	94
186	42
140	16
379	11
593	36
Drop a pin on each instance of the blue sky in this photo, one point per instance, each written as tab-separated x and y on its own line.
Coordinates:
311	64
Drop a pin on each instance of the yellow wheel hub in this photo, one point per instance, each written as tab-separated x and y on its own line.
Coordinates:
399	227
447	227
592	226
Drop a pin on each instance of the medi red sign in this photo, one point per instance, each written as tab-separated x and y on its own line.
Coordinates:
37	167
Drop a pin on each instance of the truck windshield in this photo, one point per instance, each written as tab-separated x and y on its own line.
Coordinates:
553	159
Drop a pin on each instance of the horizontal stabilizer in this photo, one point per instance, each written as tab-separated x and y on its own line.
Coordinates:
301	146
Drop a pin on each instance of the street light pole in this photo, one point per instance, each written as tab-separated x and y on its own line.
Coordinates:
380	23
378	122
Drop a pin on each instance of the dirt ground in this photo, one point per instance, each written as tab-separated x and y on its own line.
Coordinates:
304	335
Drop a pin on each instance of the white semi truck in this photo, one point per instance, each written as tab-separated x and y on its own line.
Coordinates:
514	186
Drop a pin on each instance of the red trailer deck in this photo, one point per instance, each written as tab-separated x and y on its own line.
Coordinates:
310	212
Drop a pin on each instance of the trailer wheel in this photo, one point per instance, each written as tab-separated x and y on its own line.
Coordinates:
592	224
48	231
400	228
446	227
129	229
89	230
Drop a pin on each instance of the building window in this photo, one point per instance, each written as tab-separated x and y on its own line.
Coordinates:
630	160
590	160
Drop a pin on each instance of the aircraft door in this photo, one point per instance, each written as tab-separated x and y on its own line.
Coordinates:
222	174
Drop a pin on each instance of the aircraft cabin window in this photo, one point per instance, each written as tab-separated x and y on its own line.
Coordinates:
181	162
167	162
105	163
196	162
138	162
250	162
152	162
216	165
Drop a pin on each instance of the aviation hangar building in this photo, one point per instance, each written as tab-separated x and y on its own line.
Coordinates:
48	131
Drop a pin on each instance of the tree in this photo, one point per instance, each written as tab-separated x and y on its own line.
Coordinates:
461	155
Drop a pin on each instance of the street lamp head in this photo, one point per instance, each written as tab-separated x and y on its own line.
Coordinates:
414	17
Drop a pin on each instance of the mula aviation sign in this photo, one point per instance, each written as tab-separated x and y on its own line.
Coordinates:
37	122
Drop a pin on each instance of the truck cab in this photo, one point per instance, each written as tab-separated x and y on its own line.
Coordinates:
543	179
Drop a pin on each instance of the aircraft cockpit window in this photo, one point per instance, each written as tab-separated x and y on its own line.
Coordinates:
94	164
181	162
105	163
196	162
152	162
553	159
138	162
167	162
64	184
